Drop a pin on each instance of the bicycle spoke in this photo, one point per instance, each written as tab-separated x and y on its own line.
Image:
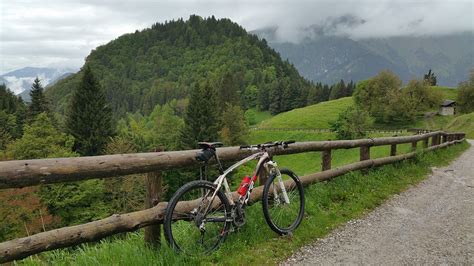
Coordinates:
197	231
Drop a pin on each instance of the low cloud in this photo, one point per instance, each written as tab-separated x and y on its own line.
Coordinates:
50	33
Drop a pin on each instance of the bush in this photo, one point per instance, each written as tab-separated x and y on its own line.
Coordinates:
352	123
465	100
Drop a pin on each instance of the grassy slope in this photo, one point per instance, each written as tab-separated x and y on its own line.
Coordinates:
463	123
313	116
319	115
328	205
447	92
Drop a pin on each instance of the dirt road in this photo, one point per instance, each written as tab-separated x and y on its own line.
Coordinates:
432	223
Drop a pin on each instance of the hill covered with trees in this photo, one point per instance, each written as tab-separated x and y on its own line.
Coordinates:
161	63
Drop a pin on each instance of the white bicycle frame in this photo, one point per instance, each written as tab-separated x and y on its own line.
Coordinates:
263	161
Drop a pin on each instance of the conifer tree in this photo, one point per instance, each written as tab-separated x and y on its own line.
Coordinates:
234	127
39	103
89	118
201	118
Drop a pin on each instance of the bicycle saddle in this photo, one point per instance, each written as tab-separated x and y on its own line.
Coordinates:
210	145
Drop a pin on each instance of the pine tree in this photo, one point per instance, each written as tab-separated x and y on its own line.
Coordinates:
201	118
234	127
89	118
430	78
39	103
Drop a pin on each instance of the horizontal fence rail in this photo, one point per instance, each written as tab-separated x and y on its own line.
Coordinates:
44	171
322	130
23	173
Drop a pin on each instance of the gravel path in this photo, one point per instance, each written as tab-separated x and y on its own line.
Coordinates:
432	223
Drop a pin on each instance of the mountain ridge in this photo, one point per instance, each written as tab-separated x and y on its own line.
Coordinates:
20	80
327	58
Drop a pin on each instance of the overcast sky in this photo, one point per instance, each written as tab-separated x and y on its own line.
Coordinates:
62	33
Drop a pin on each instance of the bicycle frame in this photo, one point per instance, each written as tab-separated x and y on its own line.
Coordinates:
264	161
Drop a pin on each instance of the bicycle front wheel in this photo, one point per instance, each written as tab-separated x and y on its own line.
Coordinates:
283	202
195	223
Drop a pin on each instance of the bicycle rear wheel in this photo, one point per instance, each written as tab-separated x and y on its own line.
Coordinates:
194	223
281	216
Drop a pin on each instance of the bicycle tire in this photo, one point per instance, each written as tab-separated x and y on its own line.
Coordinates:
171	229
269	205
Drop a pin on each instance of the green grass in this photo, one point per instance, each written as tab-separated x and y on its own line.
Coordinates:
328	205
256	117
447	92
313	116
463	123
319	115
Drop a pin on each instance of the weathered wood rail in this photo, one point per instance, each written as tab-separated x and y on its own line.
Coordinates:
322	130
16	174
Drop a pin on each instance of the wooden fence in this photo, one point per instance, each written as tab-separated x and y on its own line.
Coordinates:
17	174
323	130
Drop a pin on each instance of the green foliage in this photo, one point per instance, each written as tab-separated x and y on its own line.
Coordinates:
7	127
375	94
160	129
340	90
12	116
234	129
201	121
352	123
465	100
41	140
430	78
254	116
416	97
385	100
89	118
39	104
124	193
161	63
76	202
72	202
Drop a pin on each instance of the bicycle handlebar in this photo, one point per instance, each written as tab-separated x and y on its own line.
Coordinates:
268	145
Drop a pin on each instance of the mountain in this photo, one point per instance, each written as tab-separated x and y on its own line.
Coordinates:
326	58
161	63
19	81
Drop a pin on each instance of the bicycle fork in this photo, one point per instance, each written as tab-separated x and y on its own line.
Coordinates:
273	165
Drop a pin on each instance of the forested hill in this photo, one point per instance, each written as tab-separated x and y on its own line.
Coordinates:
158	64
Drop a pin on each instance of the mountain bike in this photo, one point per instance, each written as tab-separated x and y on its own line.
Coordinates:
200	214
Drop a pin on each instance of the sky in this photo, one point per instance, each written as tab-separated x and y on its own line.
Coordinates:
54	33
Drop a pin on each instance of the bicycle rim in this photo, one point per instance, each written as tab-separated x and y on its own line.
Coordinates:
281	216
192	230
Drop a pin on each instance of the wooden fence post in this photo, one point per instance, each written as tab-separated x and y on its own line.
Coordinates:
364	153
325	160
413	145
393	149
434	140
154	192
425	142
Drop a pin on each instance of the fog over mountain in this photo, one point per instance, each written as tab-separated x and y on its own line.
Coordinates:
19	81
62	33
325	57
